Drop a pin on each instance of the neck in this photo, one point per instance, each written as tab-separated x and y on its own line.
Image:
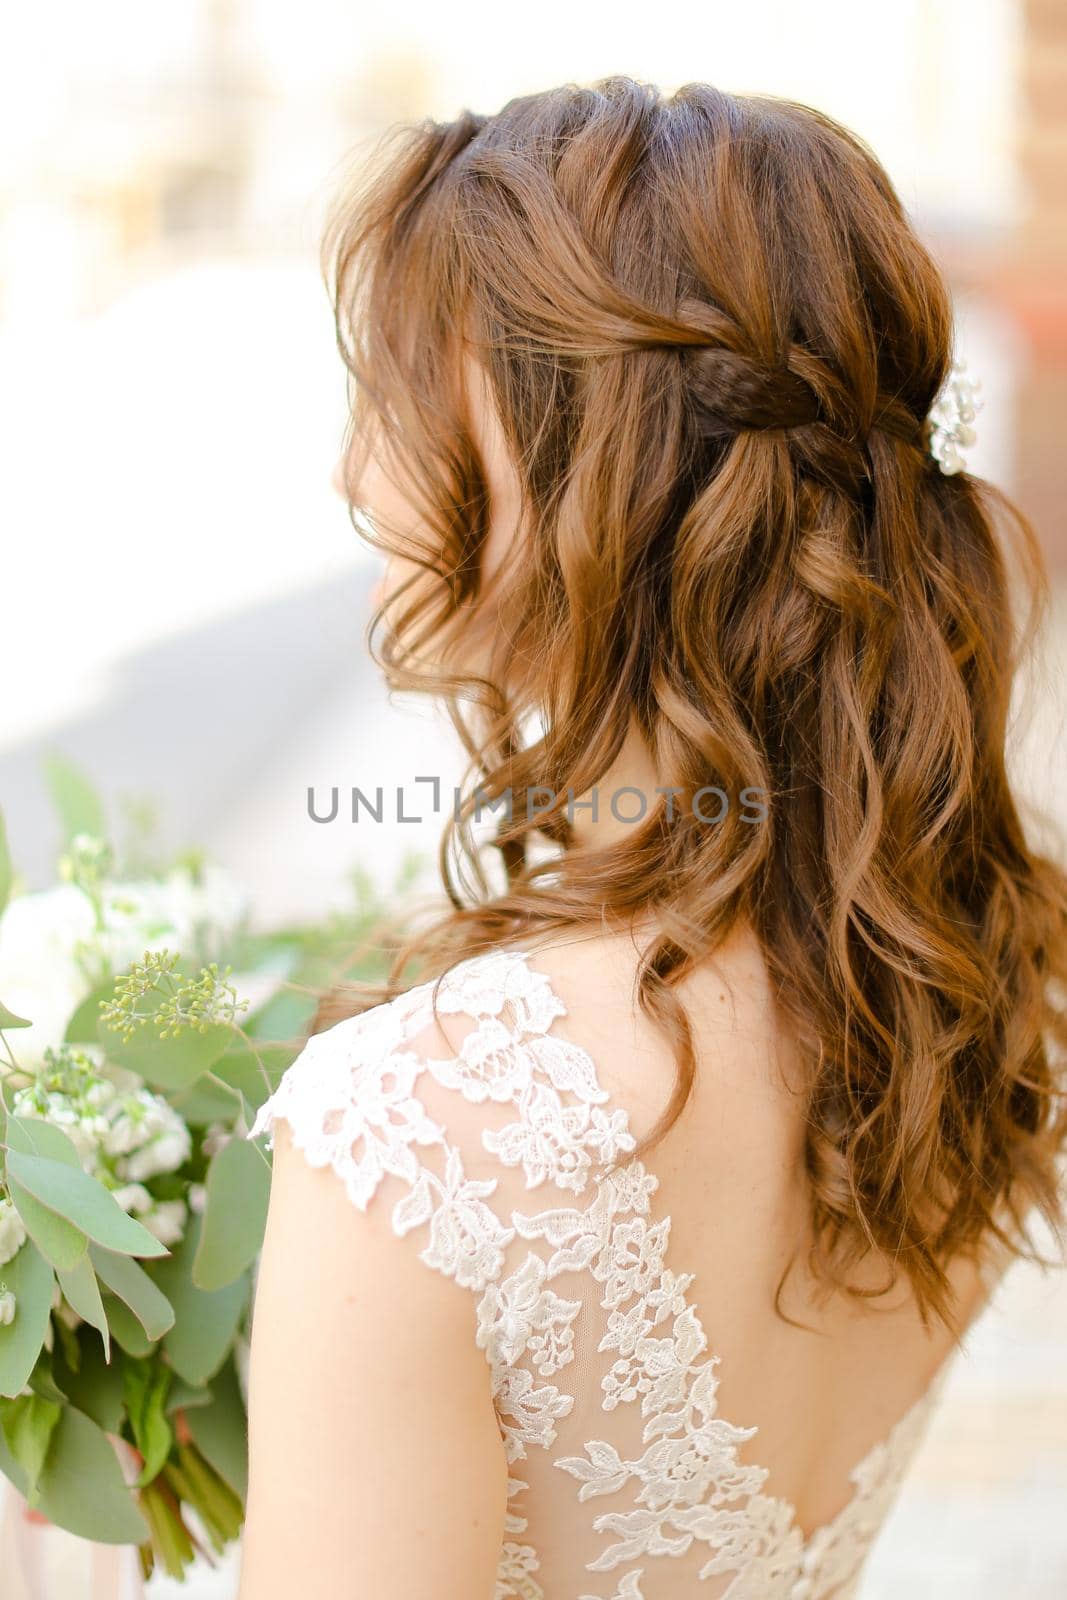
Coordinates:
623	797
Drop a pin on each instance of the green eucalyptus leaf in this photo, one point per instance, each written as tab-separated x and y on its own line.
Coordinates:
145	1387
135	1289
29	1278
81	1029
205	1322
82	1488
73	1194
29	1422
58	1240
79	805
82	1292
187	1397
66	1340
171	1064
126	1330
8	1019
235	1214
42	1381
207	1101
255	1069
220	1430
286	1015
95	1385
33	1136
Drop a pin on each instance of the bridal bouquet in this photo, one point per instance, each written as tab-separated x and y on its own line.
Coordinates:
142	1023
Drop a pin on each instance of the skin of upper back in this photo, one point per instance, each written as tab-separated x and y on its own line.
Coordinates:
731	1178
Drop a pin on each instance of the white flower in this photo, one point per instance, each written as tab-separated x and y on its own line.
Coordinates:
174	912
40	977
147	1135
12	1233
7	1308
197	1197
166	1221
84	1132
133	1197
124	1134
164	1153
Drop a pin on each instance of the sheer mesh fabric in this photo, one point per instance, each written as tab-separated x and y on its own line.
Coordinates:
505	1165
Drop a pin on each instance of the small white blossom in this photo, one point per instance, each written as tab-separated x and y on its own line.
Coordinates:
197	1198
124	1134
12	1232
7	1308
49	941
84	1132
40	976
133	1197
162	1154
166	1221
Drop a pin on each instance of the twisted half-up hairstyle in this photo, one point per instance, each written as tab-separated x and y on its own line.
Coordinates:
712	338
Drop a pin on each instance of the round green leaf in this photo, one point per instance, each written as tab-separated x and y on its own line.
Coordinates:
58	1240
286	1015
29	1278
184	1397
82	1292
125	1328
36	1137
167	1063
145	1388
235	1215
205	1322
73	1194
96	1386
81	1029
220	1430
206	1101
82	1488
135	1289
29	1422
255	1067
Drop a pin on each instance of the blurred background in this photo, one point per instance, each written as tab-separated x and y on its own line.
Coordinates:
186	598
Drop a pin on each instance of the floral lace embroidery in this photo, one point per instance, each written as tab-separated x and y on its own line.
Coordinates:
689	1483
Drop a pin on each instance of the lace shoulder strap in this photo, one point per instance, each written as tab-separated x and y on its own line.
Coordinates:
366	1098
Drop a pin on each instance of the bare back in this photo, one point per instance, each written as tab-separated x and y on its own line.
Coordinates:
665	1431
732	1181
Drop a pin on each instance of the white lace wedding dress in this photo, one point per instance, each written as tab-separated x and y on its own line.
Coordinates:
506	1166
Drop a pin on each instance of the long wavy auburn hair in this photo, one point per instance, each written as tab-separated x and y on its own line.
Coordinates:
712	338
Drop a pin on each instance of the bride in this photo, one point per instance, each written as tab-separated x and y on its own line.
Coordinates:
619	1246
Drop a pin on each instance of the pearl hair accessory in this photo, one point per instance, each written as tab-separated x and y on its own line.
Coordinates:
951	417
